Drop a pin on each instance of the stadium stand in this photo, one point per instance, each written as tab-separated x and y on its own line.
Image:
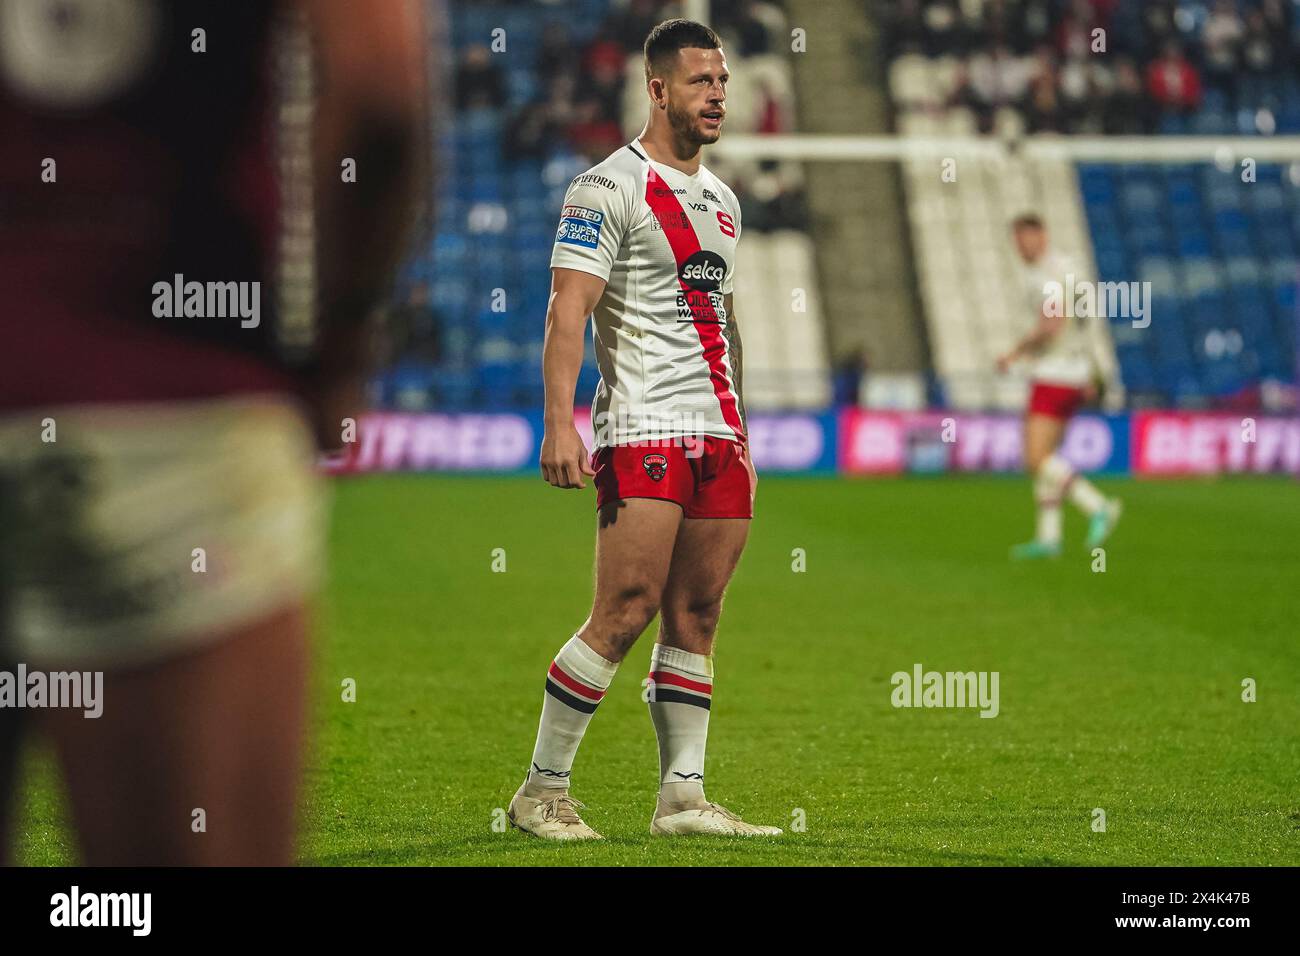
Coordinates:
566	91
1217	241
970	277
1220	252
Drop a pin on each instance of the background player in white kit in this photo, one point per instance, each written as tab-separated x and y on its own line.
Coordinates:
646	246
1070	354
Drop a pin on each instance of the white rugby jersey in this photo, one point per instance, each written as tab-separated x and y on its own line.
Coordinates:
1067	358
665	242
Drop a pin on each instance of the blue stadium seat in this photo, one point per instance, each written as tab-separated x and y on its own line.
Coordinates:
1215	100
409	386
1193	245
588	377
1172	124
1288	119
1149	239
1112	264
1277	242
1141	199
1097	185
496	385
454	388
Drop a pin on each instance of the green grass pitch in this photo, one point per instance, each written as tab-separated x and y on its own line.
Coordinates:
1119	690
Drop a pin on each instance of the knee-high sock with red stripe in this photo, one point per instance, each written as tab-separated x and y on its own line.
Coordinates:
575	684
1055	480
1049	483
681	692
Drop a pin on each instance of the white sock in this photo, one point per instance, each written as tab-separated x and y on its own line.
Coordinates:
1047	497
1081	491
681	692
575	684
1085	496
1048	530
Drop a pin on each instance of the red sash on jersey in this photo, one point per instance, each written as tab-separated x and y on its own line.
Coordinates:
665	207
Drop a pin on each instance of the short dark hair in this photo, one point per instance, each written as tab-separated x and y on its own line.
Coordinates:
670	36
1027	220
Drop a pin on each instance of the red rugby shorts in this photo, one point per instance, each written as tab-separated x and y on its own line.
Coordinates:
1055	401
708	477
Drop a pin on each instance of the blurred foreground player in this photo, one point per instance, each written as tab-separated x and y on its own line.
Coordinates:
647	246
1069	353
162	518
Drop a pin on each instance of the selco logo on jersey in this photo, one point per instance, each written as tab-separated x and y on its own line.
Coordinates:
580	226
703	271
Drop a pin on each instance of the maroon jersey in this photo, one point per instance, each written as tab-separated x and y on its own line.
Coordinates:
162	166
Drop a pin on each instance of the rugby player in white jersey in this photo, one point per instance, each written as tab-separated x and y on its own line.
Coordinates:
1070	353
647	246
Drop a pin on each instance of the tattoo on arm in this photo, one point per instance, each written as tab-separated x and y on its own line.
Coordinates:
731	332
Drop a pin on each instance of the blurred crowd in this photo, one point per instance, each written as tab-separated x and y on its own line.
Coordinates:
1108	66
581	104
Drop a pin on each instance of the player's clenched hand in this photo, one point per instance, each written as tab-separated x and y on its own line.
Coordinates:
564	458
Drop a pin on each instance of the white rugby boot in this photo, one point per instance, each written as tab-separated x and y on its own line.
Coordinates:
1102	524
551	818
712	819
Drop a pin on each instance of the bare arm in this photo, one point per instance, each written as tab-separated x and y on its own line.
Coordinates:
1049	326
731	332
574	295
368	108
735	357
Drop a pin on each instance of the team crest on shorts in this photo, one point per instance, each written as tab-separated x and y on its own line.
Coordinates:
656	466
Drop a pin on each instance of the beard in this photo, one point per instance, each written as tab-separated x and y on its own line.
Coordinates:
684	123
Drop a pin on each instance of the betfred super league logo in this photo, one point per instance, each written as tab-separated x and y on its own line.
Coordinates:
656	466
